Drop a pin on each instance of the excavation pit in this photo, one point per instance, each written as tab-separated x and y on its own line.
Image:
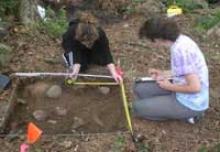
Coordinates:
69	108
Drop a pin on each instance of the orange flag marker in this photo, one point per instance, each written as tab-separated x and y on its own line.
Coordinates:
33	133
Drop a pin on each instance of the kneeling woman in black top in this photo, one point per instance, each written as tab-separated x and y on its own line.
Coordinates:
86	43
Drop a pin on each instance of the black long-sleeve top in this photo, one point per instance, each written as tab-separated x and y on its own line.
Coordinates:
99	53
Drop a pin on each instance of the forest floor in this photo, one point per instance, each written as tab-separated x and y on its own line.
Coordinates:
34	51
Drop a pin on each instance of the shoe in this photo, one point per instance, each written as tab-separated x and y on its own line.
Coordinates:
191	120
196	119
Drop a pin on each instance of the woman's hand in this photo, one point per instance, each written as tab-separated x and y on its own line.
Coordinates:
75	71
164	83
116	75
192	84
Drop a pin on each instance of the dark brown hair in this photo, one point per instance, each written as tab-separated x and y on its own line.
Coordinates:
87	28
159	28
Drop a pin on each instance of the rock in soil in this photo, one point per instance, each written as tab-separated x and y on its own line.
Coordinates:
21	101
67	144
40	115
78	122
53	122
60	111
104	90
36	90
54	91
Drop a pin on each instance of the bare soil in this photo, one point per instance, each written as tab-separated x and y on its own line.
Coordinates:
99	112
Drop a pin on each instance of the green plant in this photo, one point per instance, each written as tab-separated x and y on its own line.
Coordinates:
137	1
216	148
4	54
143	147
128	9
54	24
203	149
118	144
187	5
207	22
8	7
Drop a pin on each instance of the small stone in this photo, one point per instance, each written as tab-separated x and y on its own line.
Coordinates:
139	137
104	90
76	148
53	122
67	144
54	91
21	101
60	111
22	137
30	53
78	122
40	115
73	131
164	132
87	138
36	90
125	25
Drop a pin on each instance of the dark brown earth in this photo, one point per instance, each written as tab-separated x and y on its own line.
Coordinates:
99	112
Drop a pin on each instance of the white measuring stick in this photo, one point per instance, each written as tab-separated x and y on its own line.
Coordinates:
36	74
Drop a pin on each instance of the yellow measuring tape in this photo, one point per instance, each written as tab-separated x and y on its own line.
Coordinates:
73	82
125	103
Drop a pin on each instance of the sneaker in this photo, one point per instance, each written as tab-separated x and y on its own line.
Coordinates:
194	120
191	120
